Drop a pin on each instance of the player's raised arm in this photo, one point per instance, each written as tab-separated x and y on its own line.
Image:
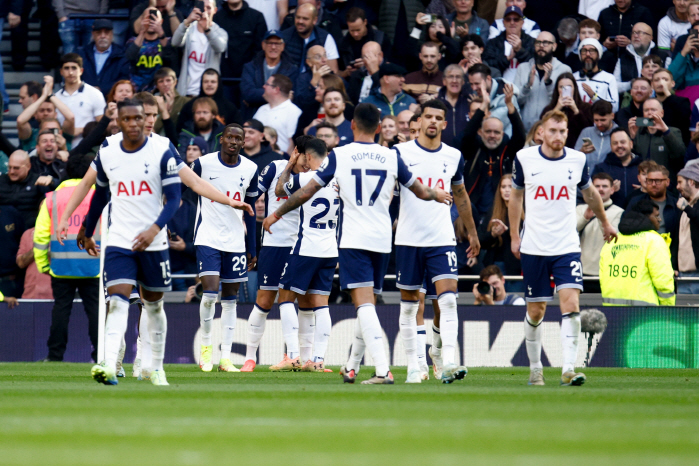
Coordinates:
594	201
286	174
295	201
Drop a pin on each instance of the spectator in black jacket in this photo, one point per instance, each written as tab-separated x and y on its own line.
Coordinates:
104	62
617	21
211	87
19	188
622	165
677	109
512	47
50	168
455	94
256	147
359	33
326	20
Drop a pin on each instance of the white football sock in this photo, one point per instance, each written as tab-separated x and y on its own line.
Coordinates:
532	337
115	328
570	332
144	338
256	328
323	326
357	349
122	349
436	341
307	328
421	346
373	337
207	309
228	317
408	331
449	326
290	328
157	327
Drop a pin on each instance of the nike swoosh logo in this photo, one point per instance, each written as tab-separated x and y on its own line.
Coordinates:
534	174
578	279
453	270
168	281
214	177
413	164
242	273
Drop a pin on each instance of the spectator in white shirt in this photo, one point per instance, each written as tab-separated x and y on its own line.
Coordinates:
675	24
279	112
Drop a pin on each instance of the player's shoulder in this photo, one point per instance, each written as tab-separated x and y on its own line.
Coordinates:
529	153
575	155
247	164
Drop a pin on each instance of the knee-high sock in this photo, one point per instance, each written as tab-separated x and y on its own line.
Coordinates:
408	331
144	338
228	317
532	338
207	309
256	328
307	328
322	333
373	337
157	327
122	350
436	341
357	349
449	326
290	328
570	333
421	346
115	328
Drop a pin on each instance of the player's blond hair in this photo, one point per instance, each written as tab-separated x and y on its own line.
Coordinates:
555	115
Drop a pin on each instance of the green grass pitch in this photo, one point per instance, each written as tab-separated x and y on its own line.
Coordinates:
55	414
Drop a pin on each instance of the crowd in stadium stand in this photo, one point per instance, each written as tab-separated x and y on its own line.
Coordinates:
625	72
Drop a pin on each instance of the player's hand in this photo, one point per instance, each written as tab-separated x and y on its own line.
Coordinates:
443	197
241	205
268	222
609	233
515	244
252	262
143	240
474	247
11	302
91	247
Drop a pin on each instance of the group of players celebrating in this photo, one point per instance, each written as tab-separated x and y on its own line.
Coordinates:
323	209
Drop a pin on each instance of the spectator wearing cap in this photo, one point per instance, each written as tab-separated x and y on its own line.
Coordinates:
512	47
688	249
530	27
389	97
256	147
279	112
104	62
196	147
594	83
75	32
267	62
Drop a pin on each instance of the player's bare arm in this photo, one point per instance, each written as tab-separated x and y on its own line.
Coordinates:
286	174
463	205
430	194
295	201
514	208
594	201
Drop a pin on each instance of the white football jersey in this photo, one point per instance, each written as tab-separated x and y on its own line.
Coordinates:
218	226
550	190
136	180
118	137
366	174
318	222
428	223
285	231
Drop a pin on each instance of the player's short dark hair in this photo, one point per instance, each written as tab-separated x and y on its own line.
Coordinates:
603	176
480	68
146	98
475	38
644	207
164	72
602	108
72	58
652	59
435	103
208	101
317	147
129	103
354	13
619	129
233	125
283	83
301	141
366	117
77	166
33	88
333	128
489	271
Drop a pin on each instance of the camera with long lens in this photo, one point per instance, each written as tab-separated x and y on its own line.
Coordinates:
484	288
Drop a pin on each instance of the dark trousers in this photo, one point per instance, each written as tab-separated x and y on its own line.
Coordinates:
63	294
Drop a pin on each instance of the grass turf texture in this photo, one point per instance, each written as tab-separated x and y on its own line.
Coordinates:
56	414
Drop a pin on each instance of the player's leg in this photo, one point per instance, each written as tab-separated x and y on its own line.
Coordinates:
422	338
290	330
567	275
307	328
537	282
210	261
317	298
436	347
143	341
410	272
229	317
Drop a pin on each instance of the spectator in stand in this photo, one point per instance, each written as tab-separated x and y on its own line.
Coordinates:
326	20
76	32
640	188
674	25
389	97
121	90
29	93
512	47
685	69
306	34
566	98
641	90
279	112
334	107
246	28
535	135
308	81
466	21
688	247
492	232
424	84
204	43
362	81
438	32
650	65
693	17
170	15
149	51
617	21
211	87
314	108
403	120
455	95
12	227
205	124
659	142
594	83
629	65
50	168
274	11
676	108
12	10
327	132
484	85
43	108
256	72
359	33
622	165
52	125
36	284
256	147
104	60
472	47
19	188
271	136
388	136
166	84
535	78
567	50
599	134
590	230
528	26
497	295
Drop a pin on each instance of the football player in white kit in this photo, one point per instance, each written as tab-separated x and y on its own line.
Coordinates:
548	176
309	270
221	241
425	239
366	174
275	249
137	172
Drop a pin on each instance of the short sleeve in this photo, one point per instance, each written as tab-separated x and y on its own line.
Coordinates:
178	159
458	177
96	165
405	176
585	177
517	174
196	167
169	171
331	48
293	185
326	172
264	181
252	190
99	104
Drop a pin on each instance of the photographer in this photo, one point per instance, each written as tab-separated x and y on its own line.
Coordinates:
490	290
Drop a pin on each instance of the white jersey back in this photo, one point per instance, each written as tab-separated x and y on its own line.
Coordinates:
136	180
428	223
285	231
218	226
318	222
366	174
551	187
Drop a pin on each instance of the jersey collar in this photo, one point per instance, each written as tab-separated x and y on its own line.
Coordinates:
553	160
121	144
426	149
220	159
